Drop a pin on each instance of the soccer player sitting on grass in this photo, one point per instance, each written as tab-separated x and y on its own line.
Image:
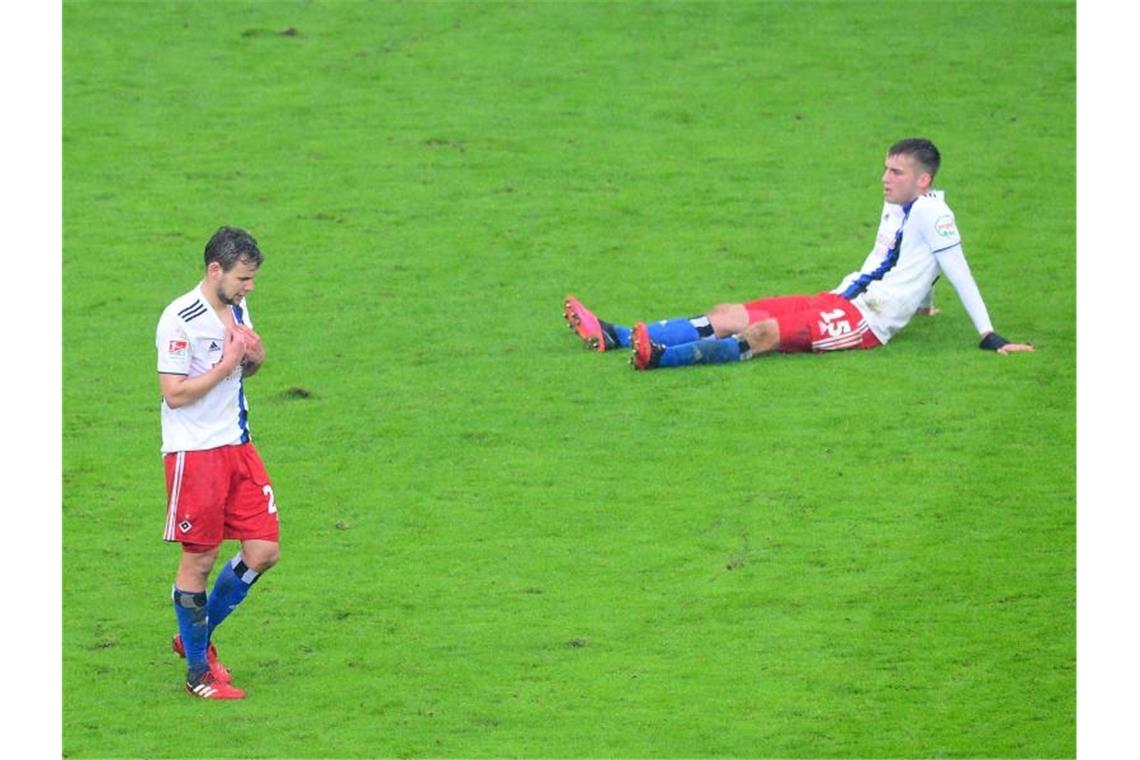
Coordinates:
917	242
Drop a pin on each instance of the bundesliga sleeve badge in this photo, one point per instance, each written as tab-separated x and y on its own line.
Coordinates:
944	226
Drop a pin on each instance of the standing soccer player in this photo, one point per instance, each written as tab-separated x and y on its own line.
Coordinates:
217	487
917	243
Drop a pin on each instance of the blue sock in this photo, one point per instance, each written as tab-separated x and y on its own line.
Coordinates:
674	332
667	332
193	625
230	587
623	335
706	351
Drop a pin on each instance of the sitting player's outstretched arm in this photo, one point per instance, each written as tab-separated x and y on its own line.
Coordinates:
954	266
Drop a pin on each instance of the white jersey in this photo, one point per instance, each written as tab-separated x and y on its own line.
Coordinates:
189	340
899	272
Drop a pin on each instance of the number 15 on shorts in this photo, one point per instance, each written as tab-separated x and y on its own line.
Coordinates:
834	323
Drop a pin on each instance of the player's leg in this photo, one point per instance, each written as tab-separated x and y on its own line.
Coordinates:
762	337
725	341
788	324
194	568
206	677
190	606
648	354
194	518
236	578
727	319
192	609
720	321
251	517
810	324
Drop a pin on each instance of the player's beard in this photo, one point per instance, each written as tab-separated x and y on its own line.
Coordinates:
228	300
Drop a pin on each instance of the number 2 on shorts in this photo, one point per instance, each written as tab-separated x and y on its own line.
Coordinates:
268	491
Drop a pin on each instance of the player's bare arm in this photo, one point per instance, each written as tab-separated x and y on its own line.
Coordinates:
180	390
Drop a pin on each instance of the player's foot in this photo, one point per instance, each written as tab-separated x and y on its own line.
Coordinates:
582	321
218	669
646	353
207	686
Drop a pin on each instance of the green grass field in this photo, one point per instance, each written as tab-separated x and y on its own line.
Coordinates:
496	543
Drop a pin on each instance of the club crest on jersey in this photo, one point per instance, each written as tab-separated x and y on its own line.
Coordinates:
185	526
178	347
944	226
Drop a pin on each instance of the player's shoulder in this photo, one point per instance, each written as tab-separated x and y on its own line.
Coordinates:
186	308
932	202
931	212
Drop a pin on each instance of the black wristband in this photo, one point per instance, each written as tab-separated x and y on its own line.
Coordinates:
992	342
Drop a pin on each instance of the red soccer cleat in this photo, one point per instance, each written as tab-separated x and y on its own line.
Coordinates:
646	353
218	669
582	321
209	687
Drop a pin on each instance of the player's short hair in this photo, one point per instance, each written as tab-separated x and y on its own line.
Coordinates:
230	245
921	150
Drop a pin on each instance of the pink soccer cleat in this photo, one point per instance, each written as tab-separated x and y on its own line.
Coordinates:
582	321
646	354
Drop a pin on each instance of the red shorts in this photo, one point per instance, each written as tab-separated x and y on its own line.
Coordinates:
217	494
823	322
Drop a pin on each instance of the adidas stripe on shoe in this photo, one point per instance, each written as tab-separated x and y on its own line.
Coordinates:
217	668
209	687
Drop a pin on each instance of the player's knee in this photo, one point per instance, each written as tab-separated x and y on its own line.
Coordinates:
763	336
262	557
194	566
199	556
728	319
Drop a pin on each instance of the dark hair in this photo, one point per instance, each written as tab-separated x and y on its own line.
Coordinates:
921	150
230	245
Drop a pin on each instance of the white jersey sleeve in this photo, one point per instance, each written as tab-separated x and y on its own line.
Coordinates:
953	264
936	224
173	343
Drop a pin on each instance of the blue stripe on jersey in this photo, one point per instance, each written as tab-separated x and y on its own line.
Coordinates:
243	411
888	263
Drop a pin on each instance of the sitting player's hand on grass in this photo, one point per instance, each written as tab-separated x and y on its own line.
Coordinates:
1015	348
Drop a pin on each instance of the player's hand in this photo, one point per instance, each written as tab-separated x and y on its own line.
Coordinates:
1015	348
233	349
254	351
928	311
